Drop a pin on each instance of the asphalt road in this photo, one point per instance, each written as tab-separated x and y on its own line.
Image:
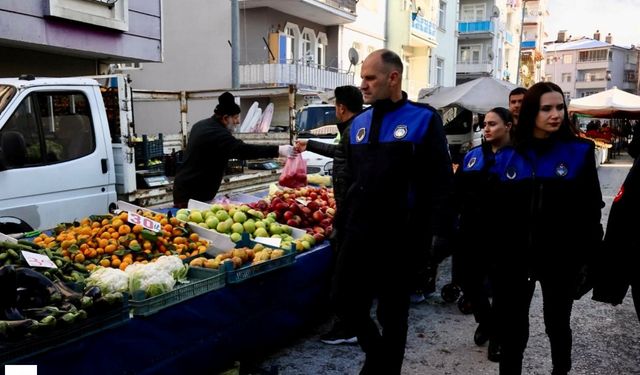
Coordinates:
440	337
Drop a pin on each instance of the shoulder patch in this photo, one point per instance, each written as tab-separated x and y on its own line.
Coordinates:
400	131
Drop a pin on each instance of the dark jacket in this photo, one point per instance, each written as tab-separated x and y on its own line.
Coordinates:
399	170
617	269
338	153
550	205
209	149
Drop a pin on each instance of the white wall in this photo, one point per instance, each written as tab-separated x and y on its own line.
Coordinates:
447	48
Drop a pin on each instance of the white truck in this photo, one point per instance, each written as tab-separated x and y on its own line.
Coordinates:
67	151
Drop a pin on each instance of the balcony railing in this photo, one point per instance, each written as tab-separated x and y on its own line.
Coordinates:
424	26
476	27
526	44
304	76
474	67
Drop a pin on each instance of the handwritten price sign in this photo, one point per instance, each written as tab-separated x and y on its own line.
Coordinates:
38	260
147	223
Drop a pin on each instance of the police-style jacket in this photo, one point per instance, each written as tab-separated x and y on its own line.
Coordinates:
399	171
618	268
475	197
550	202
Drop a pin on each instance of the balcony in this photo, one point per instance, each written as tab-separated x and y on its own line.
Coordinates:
528	44
322	12
591	64
473	67
303	76
424	29
476	29
591	83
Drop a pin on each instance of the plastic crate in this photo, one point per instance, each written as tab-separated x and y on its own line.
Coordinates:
200	281
12	352
253	270
147	150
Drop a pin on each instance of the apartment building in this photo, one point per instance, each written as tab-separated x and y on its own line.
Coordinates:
585	66
443	55
532	41
77	37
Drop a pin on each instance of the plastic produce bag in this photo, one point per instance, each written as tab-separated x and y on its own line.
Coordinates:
294	173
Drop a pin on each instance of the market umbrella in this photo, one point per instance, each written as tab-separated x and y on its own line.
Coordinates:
612	103
479	95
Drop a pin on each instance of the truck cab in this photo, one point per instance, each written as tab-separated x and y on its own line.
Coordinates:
56	156
317	122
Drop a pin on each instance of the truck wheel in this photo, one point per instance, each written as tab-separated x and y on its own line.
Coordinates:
10	224
450	292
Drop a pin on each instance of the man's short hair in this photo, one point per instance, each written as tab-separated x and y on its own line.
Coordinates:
518	91
350	97
391	58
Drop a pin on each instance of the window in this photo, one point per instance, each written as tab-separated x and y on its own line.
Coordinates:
308	41
548	78
473	12
592	55
292	32
567	59
49	128
442	15
566	77
439	72
470	54
321	47
567	96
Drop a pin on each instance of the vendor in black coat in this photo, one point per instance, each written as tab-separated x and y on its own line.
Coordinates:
209	149
619	270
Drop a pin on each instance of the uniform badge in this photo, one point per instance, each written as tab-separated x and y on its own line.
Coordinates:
511	173
471	162
400	131
561	170
360	134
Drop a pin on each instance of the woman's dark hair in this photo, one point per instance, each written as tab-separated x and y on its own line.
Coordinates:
504	114
226	105
529	111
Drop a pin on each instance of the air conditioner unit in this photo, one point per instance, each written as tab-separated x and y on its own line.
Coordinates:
127	66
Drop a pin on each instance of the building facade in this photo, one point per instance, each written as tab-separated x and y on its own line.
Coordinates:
443	56
532	42
587	66
77	37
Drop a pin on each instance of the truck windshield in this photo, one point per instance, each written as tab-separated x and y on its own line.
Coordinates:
309	118
6	93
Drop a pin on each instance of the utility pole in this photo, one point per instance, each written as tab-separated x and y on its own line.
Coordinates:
524	4
235	44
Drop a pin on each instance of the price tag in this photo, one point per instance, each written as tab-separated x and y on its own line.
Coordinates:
38	260
147	223
271	241
302	200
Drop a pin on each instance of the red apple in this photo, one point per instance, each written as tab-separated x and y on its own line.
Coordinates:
318	215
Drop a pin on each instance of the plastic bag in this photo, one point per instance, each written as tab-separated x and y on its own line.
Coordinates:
294	173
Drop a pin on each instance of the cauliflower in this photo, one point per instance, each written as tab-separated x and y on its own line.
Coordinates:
174	266
151	279
109	280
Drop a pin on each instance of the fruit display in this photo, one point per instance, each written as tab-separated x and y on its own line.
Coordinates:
234	220
308	208
112	241
317	179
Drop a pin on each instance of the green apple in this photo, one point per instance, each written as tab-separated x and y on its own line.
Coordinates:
249	226
286	229
222	215
216	207
204	225
182	211
237	228
260	224
212	221
235	237
244	208
239	217
275	228
182	217
196	216
305	244
232	211
222	227
272	215
261	232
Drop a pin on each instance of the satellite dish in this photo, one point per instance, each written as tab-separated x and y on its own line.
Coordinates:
495	11
353	58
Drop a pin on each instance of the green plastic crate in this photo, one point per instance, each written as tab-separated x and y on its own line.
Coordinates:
200	281
249	271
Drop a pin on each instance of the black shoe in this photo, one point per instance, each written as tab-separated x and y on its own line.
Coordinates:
339	335
493	353
481	336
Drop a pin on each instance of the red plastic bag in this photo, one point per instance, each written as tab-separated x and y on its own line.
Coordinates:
294	173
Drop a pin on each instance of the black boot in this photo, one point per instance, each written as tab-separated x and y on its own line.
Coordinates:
482	334
493	352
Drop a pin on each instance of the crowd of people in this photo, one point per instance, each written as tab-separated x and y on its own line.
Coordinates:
522	208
